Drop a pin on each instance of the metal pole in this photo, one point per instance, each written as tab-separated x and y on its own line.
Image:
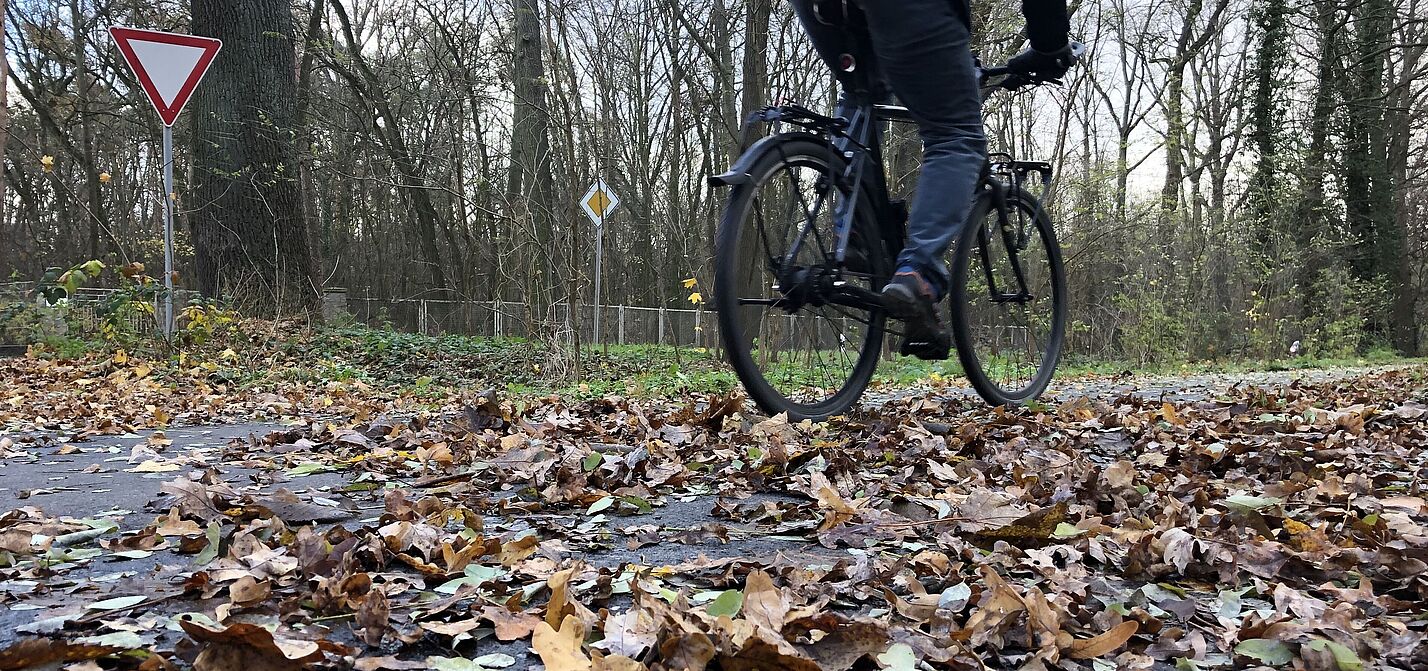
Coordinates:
168	231
599	254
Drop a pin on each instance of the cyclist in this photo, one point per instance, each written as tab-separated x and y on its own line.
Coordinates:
921	50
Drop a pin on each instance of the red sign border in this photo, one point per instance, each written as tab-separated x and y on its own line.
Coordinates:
122	35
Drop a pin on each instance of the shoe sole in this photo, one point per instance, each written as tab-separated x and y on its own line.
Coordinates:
902	303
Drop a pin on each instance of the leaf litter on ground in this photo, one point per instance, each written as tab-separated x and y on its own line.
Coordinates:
1275	526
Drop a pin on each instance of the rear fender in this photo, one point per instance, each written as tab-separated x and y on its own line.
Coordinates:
739	173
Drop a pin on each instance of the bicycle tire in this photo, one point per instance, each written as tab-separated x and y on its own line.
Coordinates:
970	240
729	262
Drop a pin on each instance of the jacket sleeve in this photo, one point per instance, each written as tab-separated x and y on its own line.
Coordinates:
1047	23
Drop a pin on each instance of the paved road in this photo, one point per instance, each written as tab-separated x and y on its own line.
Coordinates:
96	479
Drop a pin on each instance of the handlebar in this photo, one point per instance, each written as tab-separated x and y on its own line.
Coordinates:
1012	80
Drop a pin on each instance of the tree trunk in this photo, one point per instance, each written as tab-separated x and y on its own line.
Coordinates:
4	108
83	84
387	126
1264	117
305	136
249	233
530	185
1367	189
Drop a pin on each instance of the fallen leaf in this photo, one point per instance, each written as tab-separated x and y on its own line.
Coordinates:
559	649
763	603
1265	651
1096	646
898	657
249	647
118	603
510	626
35	652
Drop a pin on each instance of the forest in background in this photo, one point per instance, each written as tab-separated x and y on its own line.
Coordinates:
1234	175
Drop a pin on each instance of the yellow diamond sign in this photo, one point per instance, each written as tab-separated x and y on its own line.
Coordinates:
599	202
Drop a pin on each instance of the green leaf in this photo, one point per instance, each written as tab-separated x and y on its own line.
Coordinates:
1244	503
118	603
134	554
1265	651
727	603
119	639
1066	530
92	267
73	554
592	461
602	504
495	660
475	574
307	469
898	657
453	664
215	538
1344	657
639	503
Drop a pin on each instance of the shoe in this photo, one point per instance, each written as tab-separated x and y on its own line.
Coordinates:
910	298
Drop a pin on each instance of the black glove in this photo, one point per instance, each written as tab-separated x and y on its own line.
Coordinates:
1045	66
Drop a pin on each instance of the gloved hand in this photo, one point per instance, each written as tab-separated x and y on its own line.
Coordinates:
1046	66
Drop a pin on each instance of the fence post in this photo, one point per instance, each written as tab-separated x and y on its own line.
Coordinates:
421	317
661	325
496	317
620	312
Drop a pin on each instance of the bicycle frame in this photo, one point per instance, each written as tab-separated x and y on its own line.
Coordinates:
854	132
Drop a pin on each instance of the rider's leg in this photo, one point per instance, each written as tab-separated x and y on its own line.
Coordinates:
924	50
836	36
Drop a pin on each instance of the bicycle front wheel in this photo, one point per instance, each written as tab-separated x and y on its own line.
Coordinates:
1008	300
795	339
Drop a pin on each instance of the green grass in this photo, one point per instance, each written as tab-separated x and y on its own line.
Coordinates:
430	365
434	366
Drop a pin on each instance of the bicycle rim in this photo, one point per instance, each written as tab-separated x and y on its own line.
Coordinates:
1008	340
795	356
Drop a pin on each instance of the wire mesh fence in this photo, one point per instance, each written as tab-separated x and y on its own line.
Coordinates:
82	310
619	324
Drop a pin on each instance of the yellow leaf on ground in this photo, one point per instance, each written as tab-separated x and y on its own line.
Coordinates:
560	650
154	466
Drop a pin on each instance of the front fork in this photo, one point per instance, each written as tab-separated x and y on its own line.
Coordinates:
1013	240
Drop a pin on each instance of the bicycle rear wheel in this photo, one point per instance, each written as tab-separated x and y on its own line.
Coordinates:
1008	340
796	349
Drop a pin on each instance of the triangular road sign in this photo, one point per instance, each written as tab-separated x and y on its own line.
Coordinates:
169	65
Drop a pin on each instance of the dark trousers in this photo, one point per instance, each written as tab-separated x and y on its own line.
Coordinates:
921	50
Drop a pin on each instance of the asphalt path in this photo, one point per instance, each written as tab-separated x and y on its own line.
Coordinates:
103	478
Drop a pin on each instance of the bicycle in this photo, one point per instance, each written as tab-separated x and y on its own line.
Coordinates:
802	321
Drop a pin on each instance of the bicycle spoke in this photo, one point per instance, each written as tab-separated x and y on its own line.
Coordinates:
1010	303
809	356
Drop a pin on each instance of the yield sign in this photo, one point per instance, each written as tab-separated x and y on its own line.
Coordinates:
169	65
599	202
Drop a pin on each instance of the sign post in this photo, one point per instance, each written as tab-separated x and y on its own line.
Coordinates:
169	67
598	203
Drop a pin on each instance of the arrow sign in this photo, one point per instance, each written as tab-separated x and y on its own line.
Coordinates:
169	65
